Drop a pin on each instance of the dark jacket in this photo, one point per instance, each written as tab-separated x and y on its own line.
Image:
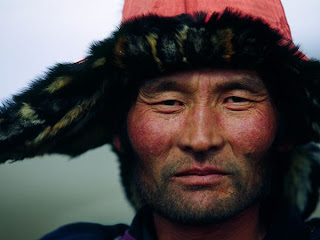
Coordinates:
291	228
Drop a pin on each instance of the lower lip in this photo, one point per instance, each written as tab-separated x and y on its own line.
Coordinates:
197	180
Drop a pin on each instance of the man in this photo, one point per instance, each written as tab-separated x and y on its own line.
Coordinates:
208	112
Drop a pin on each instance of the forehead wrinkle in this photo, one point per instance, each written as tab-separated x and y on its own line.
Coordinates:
248	83
190	83
167	84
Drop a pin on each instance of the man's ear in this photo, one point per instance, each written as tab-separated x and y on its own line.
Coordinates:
284	146
117	135
120	138
117	143
283	143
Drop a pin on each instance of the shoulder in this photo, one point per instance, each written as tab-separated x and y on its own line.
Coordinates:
314	227
84	231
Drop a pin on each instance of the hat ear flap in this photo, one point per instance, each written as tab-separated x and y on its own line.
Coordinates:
310	73
301	181
63	112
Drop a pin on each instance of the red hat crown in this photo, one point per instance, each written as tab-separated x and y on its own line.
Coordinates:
270	11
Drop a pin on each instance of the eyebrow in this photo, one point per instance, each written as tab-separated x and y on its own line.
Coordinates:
242	82
165	85
245	83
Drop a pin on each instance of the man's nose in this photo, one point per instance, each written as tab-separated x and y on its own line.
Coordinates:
201	131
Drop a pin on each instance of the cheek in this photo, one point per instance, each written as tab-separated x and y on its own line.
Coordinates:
151	136
253	133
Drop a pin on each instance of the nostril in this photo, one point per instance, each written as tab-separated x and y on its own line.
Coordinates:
200	147
202	131
201	143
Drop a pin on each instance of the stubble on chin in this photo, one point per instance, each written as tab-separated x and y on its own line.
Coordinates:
199	205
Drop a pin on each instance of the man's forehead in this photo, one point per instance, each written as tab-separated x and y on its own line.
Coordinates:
224	79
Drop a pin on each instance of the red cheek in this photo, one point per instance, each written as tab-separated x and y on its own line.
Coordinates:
150	136
252	133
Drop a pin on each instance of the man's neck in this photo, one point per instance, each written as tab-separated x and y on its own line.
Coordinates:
245	226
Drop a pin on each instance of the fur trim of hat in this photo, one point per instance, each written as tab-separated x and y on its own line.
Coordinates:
77	106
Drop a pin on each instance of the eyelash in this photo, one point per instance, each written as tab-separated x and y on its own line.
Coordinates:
169	106
171	103
173	106
235	103
236	99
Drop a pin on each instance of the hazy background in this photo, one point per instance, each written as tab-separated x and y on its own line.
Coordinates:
40	194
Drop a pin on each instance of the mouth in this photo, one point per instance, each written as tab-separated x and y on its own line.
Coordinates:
200	176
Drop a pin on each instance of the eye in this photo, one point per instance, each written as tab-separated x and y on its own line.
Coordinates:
171	103
236	103
169	106
235	99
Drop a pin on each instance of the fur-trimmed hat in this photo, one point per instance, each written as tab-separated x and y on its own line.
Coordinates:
75	107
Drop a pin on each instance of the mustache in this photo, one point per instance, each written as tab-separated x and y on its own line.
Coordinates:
176	166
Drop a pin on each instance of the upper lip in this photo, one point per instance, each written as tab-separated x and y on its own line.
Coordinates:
200	171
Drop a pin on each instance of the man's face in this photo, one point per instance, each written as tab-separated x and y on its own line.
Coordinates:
201	141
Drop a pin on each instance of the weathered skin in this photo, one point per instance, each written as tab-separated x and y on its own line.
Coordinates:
202	139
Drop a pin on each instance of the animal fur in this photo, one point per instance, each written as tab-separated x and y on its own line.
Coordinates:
75	106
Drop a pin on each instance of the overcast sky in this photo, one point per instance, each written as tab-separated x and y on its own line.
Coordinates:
36	34
40	194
